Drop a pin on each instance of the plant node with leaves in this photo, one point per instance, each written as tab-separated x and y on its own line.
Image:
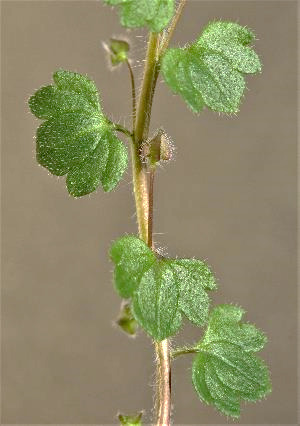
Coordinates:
77	139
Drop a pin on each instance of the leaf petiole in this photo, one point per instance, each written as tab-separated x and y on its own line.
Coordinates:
183	351
122	129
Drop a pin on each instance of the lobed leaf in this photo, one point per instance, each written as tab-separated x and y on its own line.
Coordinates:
76	138
245	335
161	289
195	279
226	369
132	258
154	14
211	70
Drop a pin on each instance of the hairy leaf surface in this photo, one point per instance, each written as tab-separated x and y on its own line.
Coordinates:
154	14
194	278
76	138
211	70
132	258
161	289
226	369
155	303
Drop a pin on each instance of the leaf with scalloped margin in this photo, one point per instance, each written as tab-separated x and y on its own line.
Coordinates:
211	70
132	258
76	138
154	14
161	289
226	369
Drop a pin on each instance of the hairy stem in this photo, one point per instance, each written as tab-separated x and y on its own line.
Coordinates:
169	32
140	188
166	38
163	400
148	85
165	41
144	197
150	214
133	95
140	184
145	209
163	368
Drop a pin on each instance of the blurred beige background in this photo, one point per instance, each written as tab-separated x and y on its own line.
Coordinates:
229	198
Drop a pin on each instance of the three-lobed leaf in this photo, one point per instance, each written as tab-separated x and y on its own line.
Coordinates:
76	138
211	70
154	14
226	369
161	289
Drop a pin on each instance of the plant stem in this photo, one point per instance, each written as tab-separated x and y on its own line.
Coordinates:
140	188
142	120
144	198
169	33
144	213
140	134
133	95
163	369
145	99
150	214
163	400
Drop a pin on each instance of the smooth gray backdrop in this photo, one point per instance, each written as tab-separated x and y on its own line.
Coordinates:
229	198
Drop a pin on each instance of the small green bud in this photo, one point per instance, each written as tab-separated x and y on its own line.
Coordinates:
118	51
131	420
126	321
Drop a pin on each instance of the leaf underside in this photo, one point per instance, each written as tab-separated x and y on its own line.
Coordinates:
226	369
76	139
210	71
161	289
154	14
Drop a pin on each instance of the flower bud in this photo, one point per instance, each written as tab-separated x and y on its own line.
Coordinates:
126	321
118	51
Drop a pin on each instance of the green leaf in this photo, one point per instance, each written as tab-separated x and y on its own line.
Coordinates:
155	303
132	258
247	336
226	369
154	14
76	138
211	70
161	289
116	164
195	278
133	420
